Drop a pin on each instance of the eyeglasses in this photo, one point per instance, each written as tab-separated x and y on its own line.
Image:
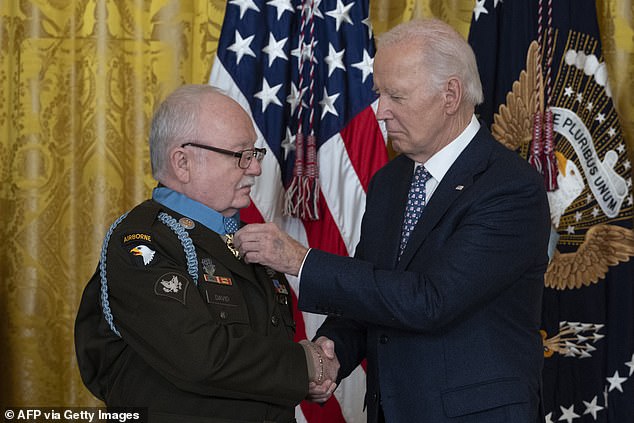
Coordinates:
244	156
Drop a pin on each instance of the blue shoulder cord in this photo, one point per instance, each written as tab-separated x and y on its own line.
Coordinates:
188	248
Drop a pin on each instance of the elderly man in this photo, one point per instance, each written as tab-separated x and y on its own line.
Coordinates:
173	320
443	296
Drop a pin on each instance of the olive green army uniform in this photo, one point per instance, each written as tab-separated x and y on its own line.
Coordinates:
217	347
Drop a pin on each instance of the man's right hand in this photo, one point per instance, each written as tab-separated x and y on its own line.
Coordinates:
321	392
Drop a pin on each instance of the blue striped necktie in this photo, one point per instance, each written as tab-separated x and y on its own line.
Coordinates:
415	205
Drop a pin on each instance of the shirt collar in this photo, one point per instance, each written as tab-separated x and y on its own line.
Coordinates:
184	205
439	163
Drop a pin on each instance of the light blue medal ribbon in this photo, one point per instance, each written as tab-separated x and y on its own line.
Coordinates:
231	226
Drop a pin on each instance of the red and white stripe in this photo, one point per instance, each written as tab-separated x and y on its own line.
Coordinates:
347	161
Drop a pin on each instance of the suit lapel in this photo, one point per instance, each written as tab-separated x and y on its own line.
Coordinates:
456	181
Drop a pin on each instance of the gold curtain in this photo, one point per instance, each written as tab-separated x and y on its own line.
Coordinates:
78	81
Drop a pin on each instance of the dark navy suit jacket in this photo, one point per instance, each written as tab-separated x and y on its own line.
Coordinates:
451	330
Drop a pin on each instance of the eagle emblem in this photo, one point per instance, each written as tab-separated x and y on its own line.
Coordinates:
145	252
578	212
173	285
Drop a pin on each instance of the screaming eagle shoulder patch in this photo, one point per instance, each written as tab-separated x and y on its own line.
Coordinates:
145	253
172	285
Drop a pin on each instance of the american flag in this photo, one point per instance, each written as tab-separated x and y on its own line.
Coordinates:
306	67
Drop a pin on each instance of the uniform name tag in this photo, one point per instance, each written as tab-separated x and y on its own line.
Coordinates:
220	298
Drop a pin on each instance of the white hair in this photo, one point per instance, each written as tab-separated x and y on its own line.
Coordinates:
443	52
174	122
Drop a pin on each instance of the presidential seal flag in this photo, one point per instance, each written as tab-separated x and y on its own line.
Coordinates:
547	95
303	70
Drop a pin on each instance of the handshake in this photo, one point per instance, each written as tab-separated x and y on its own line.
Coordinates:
325	364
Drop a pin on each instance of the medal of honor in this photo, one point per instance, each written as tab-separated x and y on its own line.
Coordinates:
228	238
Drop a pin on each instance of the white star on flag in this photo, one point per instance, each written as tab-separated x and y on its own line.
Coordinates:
615	382
592	407
327	104
316	10
305	52
244	5
365	65
295	97
334	60
630	364
282	6
289	142
268	95
368	22
568	414
275	49
479	9
241	46
341	13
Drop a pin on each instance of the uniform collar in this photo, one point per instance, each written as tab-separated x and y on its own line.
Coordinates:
185	206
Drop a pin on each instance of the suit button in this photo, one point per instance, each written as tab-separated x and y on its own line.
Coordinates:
275	320
383	339
374	397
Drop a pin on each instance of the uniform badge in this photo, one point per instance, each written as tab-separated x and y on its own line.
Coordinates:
137	237
209	268
145	252
279	288
270	272
222	280
186	223
172	285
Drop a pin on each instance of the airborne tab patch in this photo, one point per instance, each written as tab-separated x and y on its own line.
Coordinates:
137	237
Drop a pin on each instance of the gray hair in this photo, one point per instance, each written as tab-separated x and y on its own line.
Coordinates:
443	53
174	122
